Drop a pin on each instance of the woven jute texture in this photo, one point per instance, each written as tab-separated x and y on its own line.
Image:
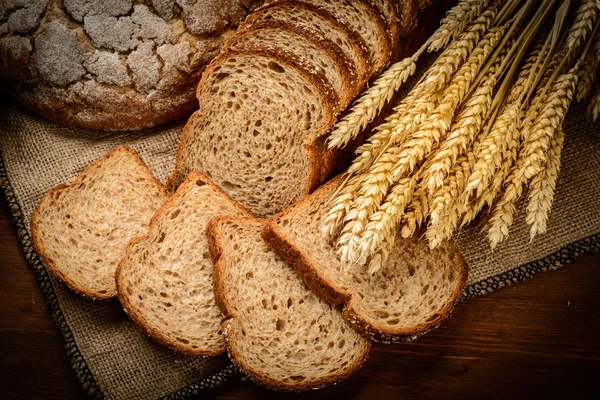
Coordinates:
114	359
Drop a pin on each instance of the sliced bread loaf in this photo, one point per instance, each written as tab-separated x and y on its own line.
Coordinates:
165	278
278	331
364	19
317	50
256	134
81	230
413	292
317	23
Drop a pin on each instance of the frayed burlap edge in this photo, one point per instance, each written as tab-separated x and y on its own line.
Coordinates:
84	374
518	274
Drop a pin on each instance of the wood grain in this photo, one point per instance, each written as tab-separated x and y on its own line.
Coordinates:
537	338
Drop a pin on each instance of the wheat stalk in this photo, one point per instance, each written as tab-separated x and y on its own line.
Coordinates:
455	22
594	107
541	188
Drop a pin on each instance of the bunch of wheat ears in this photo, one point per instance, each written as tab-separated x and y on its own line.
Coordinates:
481	129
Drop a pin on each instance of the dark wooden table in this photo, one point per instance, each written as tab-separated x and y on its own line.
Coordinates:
538	338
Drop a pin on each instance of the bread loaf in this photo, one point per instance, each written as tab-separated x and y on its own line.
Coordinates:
111	65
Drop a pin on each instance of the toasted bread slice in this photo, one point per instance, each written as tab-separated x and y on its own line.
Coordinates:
413	292
81	230
278	331
165	278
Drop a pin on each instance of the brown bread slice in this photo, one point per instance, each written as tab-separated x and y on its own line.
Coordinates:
81	229
414	291
390	12
165	278
278	331
364	19
318	23
322	53
256	134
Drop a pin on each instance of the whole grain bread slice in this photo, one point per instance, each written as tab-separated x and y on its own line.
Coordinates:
363	18
278	332
313	48
81	229
317	23
256	134
413	292
164	280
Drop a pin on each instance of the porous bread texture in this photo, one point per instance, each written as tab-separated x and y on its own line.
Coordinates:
278	332
412	293
319	23
165	278
322	53
256	133
390	12
111	65
81	230
365	20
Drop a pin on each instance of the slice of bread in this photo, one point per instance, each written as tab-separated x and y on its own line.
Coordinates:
317	23
256	134
413	292
364	19
165	278
315	49
81	230
390	12
278	332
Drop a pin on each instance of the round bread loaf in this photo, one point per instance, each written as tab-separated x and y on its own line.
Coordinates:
111	64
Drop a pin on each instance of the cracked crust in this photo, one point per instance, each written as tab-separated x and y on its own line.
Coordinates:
117	66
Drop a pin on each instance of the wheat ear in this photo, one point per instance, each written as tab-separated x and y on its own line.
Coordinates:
541	188
585	18
532	154
416	213
594	107
457	52
586	77
457	18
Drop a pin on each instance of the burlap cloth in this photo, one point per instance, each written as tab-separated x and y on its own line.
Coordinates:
114	359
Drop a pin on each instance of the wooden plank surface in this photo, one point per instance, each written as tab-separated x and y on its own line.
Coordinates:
537	338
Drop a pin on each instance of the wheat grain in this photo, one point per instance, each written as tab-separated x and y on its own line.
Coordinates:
541	188
416	214
457	52
594	107
455	22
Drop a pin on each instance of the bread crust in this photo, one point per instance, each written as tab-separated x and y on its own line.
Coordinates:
364	70
216	250
345	66
119	274
310	275
34	223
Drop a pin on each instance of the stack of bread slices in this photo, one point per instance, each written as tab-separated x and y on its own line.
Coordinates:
201	270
